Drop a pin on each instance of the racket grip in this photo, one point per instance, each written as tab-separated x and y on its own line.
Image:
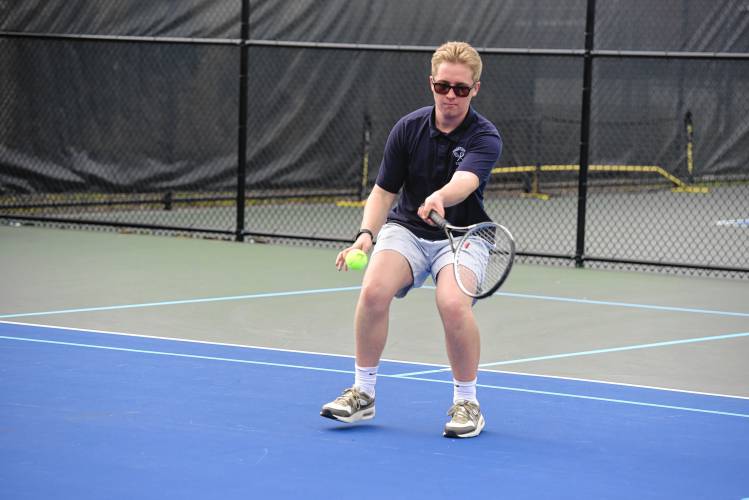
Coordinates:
438	219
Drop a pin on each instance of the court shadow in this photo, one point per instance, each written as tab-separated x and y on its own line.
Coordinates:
360	428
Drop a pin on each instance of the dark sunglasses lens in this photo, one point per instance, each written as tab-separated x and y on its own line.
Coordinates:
461	91
441	88
444	88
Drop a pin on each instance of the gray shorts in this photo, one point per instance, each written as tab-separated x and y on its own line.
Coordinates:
426	257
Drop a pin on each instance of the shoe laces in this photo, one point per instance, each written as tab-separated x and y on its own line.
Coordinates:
463	411
350	397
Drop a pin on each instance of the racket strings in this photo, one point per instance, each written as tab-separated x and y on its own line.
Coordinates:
494	250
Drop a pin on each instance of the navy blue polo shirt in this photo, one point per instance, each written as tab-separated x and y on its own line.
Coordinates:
419	159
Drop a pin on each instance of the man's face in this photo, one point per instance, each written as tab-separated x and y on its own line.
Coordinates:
449	106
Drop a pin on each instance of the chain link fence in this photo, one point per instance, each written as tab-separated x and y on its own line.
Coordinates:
81	140
244	120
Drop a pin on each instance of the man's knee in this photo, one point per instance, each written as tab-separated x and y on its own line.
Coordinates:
455	309
375	296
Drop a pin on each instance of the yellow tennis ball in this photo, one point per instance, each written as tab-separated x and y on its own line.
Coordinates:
356	259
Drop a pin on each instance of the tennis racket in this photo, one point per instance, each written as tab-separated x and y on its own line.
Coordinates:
484	253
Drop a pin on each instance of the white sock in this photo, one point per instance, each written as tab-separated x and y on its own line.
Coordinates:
464	391
365	379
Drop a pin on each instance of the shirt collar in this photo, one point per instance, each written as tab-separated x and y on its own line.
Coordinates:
455	134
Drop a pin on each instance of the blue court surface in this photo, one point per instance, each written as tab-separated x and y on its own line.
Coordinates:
87	414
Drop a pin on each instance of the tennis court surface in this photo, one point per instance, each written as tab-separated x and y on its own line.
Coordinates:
146	367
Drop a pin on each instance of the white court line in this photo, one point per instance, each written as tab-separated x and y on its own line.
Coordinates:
626	304
348	356
616	304
209	342
303	367
352	288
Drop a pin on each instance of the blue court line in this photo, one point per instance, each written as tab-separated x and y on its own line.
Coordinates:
302	367
587	353
186	301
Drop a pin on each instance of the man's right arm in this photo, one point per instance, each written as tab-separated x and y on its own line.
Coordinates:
380	200
376	209
375	214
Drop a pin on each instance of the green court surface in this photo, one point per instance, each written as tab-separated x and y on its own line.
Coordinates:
683	333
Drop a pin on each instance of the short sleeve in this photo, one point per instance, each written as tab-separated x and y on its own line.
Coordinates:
482	155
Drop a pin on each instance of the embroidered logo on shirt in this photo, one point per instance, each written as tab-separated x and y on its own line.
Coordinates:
459	153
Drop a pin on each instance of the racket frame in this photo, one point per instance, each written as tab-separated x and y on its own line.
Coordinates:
448	228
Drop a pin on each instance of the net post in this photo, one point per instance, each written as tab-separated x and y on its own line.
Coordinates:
582	186
242	125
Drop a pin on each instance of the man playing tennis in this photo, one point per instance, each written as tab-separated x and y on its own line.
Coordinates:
439	158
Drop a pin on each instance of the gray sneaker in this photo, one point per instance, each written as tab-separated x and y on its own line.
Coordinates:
351	406
467	420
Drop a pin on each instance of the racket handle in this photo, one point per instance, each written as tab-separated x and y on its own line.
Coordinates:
438	219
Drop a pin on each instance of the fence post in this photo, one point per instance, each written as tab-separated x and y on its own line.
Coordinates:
689	128
582	186
242	128
366	141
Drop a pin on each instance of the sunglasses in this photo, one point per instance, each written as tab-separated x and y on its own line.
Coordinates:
459	90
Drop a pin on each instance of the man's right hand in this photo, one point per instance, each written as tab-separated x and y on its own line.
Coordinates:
363	243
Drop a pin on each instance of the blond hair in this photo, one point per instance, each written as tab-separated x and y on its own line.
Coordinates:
457	52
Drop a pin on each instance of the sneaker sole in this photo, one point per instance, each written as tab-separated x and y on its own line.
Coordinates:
456	434
362	415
